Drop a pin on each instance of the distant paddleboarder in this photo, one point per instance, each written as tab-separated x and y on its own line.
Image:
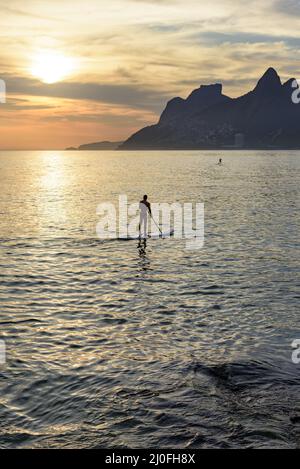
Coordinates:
145	208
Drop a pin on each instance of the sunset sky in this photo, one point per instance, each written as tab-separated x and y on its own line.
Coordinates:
83	71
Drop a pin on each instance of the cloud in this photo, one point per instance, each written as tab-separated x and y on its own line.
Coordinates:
156	2
215	38
288	7
28	14
101	118
123	95
17	104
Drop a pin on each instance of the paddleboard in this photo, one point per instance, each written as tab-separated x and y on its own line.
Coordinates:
163	235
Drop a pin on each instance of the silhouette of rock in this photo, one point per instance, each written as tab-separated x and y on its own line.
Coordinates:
269	84
97	146
263	118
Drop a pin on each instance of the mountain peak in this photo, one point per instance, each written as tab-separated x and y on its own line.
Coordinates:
271	72
201	98
269	83
206	91
289	83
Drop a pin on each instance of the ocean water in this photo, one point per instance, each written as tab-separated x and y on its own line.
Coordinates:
113	345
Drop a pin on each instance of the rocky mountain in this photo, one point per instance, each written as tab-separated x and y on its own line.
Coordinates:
263	118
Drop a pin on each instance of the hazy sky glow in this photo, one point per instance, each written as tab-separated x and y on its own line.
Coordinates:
128	57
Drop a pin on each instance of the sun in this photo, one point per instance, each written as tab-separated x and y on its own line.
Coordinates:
51	66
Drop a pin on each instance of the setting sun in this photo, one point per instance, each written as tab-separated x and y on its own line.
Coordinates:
51	67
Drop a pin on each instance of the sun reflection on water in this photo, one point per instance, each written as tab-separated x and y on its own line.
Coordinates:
51	192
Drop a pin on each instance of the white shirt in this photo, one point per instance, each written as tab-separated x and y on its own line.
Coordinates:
143	209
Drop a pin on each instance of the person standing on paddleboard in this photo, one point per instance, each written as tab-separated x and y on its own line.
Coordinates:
145	208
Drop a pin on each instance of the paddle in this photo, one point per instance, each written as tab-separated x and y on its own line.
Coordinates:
156	224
